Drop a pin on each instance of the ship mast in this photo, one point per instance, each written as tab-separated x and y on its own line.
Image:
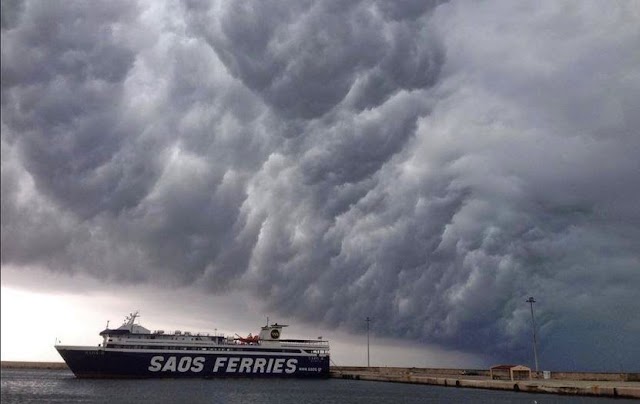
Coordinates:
131	319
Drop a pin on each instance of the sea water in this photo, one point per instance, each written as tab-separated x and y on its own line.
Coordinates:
60	386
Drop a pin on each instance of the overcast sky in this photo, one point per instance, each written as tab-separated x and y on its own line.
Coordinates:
427	164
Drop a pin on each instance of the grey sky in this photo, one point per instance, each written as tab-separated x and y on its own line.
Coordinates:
429	164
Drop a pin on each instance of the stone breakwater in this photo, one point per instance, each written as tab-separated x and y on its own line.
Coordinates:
624	385
33	365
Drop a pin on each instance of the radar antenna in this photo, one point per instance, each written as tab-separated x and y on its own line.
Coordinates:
131	318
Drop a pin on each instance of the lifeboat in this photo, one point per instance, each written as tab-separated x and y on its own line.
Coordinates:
248	339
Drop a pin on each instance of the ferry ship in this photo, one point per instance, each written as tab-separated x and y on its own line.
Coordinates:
132	351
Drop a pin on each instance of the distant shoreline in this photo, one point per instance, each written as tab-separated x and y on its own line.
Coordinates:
32	365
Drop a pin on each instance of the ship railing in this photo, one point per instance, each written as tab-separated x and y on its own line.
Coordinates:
309	342
292	343
180	333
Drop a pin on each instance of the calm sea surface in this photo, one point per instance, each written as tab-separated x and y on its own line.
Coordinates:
60	386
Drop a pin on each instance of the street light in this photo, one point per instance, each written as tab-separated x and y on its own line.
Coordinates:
368	320
531	301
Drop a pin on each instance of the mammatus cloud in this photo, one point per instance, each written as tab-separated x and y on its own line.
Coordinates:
430	165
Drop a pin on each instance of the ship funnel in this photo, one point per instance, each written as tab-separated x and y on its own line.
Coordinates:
271	332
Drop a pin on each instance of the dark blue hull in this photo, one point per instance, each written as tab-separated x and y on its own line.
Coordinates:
106	363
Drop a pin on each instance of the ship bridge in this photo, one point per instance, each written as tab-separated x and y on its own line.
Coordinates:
128	327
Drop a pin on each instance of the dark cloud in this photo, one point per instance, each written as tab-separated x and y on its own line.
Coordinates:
304	59
10	12
427	164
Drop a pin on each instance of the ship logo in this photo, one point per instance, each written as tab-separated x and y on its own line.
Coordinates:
172	364
275	334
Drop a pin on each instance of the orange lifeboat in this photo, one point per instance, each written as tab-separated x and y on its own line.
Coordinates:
248	339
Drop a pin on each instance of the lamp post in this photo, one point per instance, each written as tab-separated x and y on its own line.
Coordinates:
368	320
531	301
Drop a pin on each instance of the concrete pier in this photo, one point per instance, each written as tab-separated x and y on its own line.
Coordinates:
623	385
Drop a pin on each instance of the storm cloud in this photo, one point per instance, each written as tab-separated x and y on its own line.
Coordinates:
427	164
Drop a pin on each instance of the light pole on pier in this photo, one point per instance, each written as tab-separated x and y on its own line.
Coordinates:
368	320
531	301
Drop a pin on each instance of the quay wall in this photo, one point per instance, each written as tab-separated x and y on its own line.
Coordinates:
399	370
595	376
584	376
571	383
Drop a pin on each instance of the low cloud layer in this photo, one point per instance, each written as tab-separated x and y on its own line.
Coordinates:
427	164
